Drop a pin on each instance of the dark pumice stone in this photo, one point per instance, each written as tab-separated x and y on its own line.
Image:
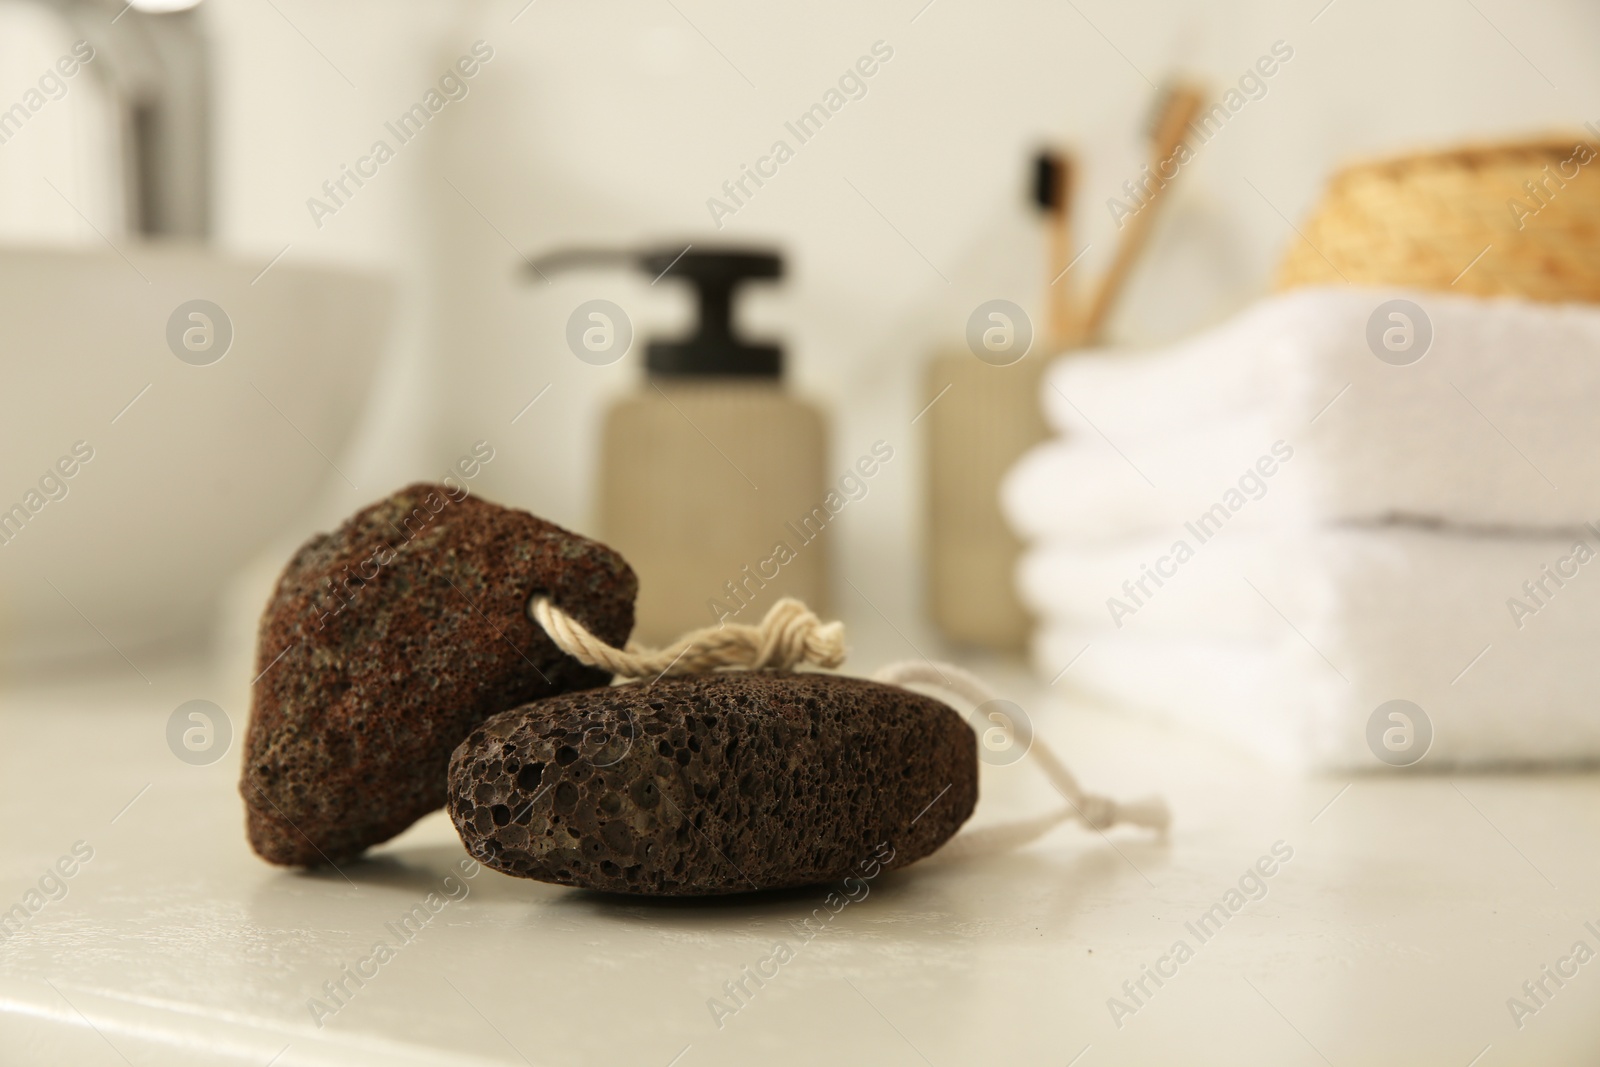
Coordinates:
387	641
713	783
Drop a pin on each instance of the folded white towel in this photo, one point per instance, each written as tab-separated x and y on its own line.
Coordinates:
1495	426
1288	642
1384	581
1085	490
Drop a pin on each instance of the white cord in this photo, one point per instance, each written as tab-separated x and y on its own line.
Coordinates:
1095	811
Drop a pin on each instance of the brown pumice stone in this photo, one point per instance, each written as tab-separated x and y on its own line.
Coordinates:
387	641
713	783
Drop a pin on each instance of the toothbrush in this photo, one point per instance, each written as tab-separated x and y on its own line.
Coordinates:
1171	114
1052	193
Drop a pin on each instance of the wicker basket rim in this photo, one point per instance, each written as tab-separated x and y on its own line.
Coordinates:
1472	155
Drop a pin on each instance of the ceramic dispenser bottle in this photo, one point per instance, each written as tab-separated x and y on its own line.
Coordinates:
711	474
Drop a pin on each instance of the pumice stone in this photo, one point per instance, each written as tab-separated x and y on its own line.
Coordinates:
713	783
387	641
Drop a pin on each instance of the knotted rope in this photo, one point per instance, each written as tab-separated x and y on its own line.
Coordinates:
790	635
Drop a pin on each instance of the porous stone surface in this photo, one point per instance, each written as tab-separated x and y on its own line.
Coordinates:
713	783
387	641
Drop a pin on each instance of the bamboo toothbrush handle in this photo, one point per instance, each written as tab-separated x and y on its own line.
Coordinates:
1062	308
1181	105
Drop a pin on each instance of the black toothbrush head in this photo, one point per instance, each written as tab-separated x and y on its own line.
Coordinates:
1048	173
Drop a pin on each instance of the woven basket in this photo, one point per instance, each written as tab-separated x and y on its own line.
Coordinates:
1462	221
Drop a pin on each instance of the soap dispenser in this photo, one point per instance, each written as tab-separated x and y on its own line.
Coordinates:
712	475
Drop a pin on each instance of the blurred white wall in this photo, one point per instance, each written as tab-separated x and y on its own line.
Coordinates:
57	157
613	123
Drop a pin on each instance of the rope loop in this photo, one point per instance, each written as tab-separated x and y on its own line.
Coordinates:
790	635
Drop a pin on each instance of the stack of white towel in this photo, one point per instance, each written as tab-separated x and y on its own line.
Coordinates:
1268	531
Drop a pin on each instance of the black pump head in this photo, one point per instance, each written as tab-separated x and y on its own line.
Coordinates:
714	349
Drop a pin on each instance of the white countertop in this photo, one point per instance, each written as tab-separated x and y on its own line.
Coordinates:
1413	907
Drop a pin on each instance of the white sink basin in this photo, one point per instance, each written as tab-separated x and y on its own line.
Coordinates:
195	465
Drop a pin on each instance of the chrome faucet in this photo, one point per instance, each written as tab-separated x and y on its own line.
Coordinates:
154	65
